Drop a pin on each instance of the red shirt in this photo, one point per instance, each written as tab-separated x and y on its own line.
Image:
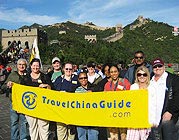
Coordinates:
120	85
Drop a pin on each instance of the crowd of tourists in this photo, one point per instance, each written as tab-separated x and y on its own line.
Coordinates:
14	52
163	88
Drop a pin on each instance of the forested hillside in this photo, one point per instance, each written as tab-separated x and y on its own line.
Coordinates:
154	38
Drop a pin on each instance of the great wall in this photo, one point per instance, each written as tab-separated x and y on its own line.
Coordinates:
25	37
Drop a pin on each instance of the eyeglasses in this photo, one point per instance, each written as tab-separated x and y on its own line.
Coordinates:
139	57
157	66
68	69
140	74
81	78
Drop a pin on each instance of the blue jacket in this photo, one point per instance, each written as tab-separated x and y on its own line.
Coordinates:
130	74
61	84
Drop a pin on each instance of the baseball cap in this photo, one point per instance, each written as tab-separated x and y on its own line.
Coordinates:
55	59
157	61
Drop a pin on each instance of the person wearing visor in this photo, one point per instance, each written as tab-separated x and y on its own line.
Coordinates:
166	87
56	72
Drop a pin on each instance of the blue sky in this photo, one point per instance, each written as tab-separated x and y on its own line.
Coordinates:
107	13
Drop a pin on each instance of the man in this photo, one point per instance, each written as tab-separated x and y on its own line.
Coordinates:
67	83
56	72
19	125
139	60
166	87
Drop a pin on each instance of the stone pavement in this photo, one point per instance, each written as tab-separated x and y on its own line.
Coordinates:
4	118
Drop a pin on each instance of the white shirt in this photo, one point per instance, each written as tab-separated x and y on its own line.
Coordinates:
92	78
160	89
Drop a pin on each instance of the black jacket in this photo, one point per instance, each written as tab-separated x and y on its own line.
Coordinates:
171	103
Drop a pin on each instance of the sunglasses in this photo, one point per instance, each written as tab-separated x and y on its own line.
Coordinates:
139	57
158	66
140	74
68	69
81	78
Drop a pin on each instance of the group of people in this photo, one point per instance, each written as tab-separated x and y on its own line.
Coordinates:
4	73
15	51
163	88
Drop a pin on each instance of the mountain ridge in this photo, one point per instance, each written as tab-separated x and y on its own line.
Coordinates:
153	37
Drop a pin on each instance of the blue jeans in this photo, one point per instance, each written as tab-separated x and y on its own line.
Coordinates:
84	132
19	126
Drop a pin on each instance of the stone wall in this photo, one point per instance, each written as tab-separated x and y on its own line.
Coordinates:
25	37
91	38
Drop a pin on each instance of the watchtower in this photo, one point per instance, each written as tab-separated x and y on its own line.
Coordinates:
23	37
91	38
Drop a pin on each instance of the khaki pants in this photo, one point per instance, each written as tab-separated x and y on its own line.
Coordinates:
39	129
63	132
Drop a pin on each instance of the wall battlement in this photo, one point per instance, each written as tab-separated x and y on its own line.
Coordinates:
24	37
91	38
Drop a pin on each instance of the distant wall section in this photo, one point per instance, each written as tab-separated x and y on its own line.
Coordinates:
91	38
24	37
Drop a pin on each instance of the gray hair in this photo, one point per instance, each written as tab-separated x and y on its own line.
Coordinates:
22	59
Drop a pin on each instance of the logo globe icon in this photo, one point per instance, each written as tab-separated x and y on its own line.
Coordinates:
29	100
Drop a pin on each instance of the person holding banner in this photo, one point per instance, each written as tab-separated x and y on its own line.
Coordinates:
116	84
85	132
142	81
166	87
56	72
39	129
67	82
19	125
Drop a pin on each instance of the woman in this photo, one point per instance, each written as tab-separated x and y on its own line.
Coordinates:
85	132
141	82
39	129
105	71
116	84
19	125
67	82
100	85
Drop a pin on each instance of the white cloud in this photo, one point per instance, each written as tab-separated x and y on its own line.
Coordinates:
20	15
103	12
100	12
111	12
